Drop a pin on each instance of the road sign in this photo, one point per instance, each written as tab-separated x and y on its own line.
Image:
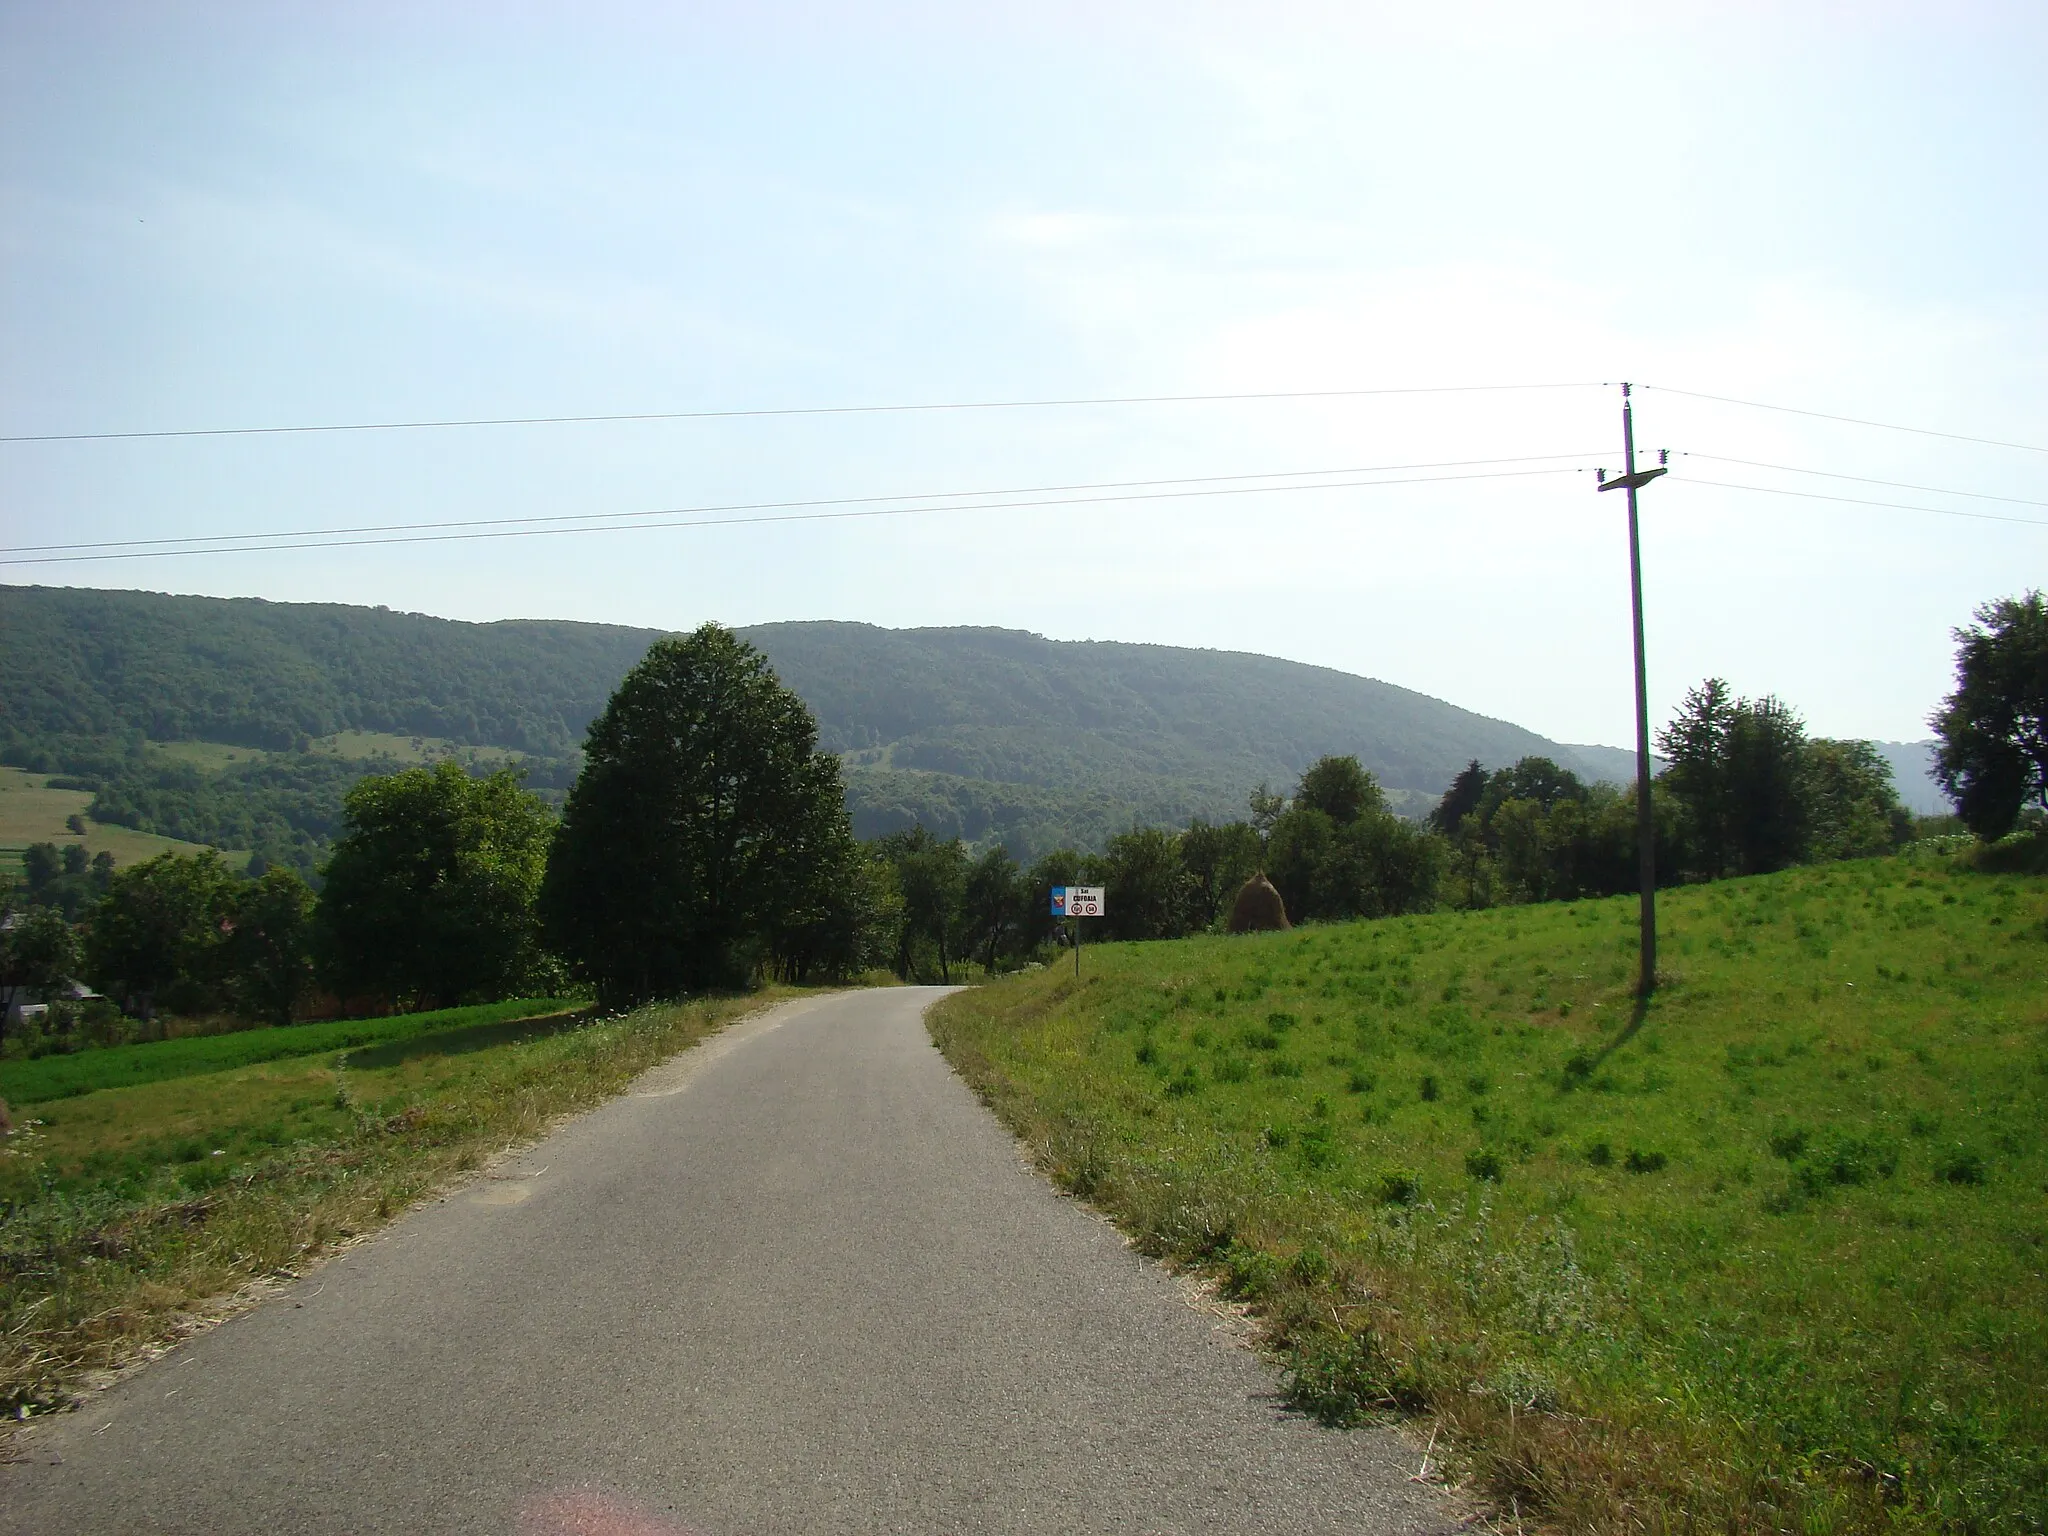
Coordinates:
1078	901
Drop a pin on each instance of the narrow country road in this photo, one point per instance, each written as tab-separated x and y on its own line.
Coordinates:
797	1281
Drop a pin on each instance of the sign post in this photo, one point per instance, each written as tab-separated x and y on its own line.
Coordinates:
1075	902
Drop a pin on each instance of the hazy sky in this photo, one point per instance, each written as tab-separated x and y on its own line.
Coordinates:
225	216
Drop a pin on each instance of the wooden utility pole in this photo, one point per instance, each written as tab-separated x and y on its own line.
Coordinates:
1632	480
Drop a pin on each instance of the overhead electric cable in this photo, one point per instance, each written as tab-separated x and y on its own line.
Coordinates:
786	517
1829	474
1854	421
791	410
769	506
1858	501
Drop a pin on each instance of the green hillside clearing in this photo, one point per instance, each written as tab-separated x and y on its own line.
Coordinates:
32	812
1770	1258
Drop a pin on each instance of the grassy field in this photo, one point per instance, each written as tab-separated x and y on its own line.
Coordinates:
49	1078
122	1209
1768	1257
32	812
354	746
361	746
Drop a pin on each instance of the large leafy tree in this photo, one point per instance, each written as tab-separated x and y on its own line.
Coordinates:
1853	810
38	953
429	897
1218	860
931	883
269	950
156	936
1370	863
705	826
1340	788
1993	758
1148	887
992	904
1769	816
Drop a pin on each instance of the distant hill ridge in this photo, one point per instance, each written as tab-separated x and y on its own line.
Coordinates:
980	732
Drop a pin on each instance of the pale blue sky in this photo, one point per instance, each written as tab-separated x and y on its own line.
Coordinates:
231	216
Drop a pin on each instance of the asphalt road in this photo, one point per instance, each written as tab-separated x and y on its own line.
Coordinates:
797	1281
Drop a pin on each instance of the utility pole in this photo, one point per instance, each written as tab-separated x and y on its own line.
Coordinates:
1633	480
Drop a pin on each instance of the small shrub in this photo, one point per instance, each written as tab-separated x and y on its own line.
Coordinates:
1358	1082
1639	1161
1340	1378
1959	1165
1148	1052
1600	1154
1483	1163
1788	1141
1310	1266
1187	1083
1281	1066
1431	1092
1400	1186
1250	1274
1839	1158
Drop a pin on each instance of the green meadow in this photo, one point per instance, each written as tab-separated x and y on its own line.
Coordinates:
44	1078
1765	1256
124	1207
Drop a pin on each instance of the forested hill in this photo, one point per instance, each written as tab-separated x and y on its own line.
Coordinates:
973	731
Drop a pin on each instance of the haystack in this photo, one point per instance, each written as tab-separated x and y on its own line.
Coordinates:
1258	908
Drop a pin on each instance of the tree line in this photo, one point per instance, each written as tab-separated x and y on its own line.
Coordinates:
706	845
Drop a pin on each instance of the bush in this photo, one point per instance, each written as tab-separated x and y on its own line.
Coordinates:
1400	1186
1959	1165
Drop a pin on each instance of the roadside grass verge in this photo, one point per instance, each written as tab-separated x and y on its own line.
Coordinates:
122	1210
1766	1257
46	1078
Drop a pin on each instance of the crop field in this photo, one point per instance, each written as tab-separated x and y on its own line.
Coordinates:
124	1208
1767	1256
32	812
47	1078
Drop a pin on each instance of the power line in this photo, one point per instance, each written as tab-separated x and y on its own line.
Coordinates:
789	517
1828	474
798	410
1858	501
1854	421
769	506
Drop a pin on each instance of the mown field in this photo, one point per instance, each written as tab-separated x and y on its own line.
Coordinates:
48	1078
123	1208
1768	1256
32	812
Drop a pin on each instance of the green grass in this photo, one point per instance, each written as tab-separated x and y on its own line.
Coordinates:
48	1078
1768	1258
123	1209
32	812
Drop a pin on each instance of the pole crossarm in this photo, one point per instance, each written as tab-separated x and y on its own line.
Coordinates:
1633	481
